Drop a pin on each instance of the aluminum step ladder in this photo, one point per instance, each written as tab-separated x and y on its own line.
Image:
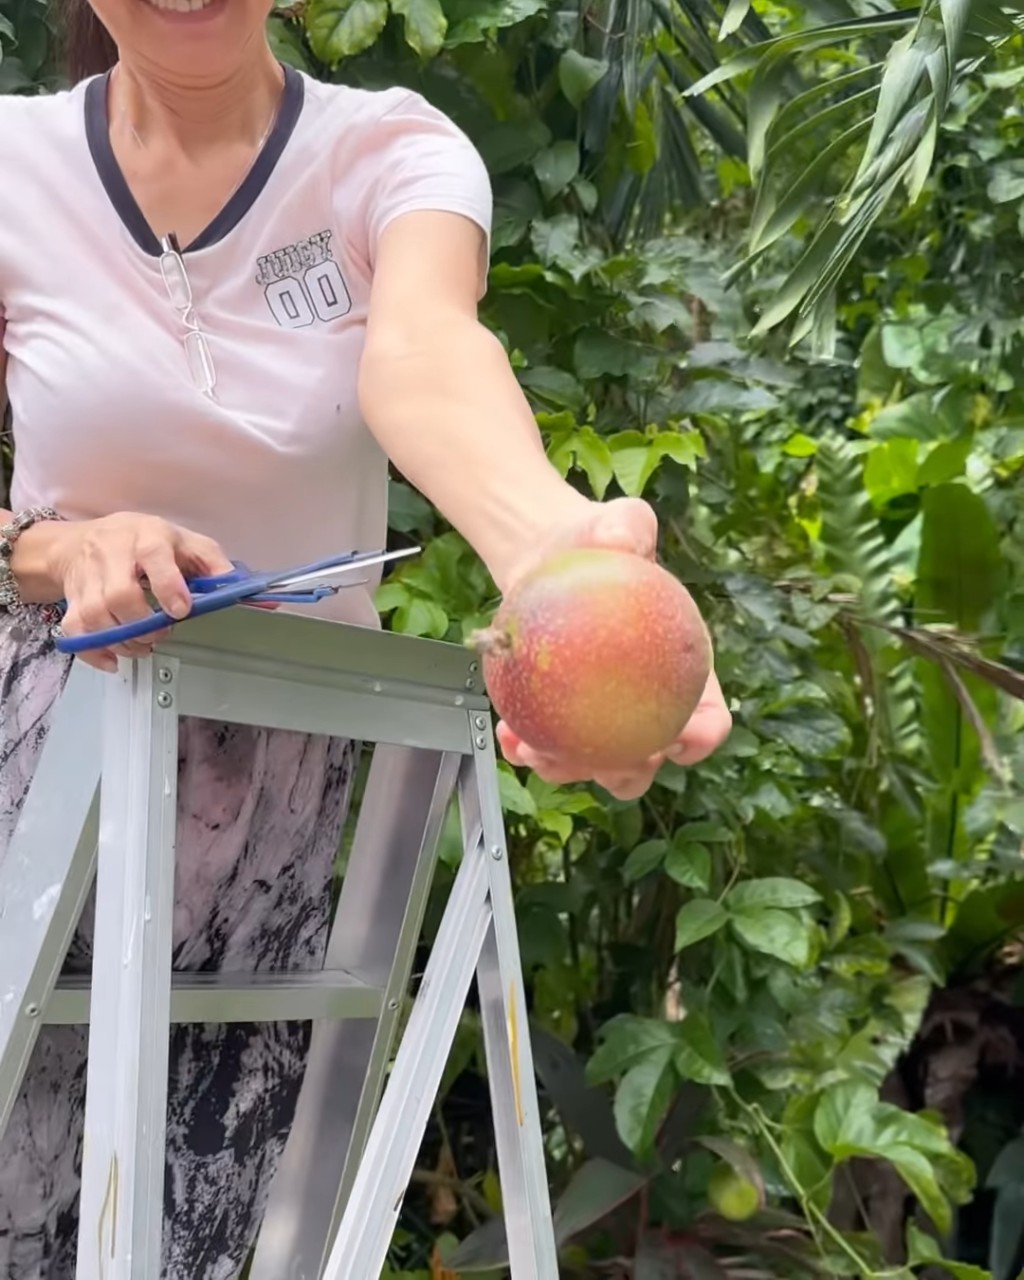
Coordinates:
364	1106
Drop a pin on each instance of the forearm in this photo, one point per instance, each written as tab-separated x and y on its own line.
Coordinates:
447	409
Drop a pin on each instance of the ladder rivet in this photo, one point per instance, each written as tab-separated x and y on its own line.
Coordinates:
164	675
474	667
32	1011
480	722
392	1004
496	852
481	741
164	699
470	683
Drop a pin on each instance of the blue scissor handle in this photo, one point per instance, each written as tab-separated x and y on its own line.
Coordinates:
218	591
202	586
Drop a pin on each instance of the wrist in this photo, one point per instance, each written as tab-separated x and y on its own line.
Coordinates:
535	522
38	561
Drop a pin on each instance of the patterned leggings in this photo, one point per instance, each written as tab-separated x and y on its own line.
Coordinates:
260	814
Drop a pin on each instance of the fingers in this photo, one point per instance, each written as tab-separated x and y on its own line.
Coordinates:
200	555
707	729
166	581
622	784
108	602
114	557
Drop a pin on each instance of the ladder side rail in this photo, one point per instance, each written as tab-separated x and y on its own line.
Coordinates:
375	933
522	1168
385	1171
121	1206
46	873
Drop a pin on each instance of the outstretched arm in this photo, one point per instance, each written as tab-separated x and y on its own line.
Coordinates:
437	391
439	394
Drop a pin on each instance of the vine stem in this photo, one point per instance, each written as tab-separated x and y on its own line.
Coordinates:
810	1210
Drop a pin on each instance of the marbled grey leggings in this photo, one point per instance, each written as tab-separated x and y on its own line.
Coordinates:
259	819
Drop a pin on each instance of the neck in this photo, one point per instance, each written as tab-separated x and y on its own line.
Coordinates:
193	115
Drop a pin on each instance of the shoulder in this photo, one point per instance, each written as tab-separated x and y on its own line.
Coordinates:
375	116
47	111
32	124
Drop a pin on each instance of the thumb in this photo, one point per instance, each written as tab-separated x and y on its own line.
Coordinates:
625	524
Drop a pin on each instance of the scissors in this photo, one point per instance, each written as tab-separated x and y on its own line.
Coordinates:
303	585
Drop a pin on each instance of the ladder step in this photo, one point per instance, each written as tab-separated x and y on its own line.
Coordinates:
239	997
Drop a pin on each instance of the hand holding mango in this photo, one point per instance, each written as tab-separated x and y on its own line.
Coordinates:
598	660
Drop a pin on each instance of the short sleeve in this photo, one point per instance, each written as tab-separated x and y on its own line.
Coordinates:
423	161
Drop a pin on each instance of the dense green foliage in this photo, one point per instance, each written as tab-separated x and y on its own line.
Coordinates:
799	961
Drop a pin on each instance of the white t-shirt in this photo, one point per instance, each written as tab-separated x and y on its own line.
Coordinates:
279	467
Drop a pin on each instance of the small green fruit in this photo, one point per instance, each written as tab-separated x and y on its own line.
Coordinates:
732	1195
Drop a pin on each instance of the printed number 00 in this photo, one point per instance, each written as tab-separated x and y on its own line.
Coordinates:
320	294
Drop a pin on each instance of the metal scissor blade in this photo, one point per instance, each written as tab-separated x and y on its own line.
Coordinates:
336	575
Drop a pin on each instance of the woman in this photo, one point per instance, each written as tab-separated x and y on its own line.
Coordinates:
229	294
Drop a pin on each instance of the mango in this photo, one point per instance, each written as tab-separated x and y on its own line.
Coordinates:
598	656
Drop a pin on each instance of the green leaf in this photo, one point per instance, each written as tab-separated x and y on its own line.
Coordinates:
470	21
698	920
814	732
945	462
643	859
589	451
955	14
595	1190
515	798
923	1250
959	563
340	29
918	1174
598	354
584	1109
390	595
578	75
625	1041
689	864
905	66
642	1099
771	891
556	167
508	144
844	1114
425	25
800	446
734	16
849	1121
775	933
421	617
1006	181
698	1056
891	470
1007	1241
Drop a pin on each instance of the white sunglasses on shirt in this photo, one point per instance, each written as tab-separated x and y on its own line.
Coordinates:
179	290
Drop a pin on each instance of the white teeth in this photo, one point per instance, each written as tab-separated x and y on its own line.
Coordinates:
180	6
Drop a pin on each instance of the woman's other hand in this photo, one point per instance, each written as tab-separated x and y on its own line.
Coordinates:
101	565
623	524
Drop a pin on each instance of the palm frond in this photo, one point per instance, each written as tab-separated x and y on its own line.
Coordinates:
836	154
854	548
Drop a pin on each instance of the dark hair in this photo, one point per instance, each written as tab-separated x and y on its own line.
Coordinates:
85	44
